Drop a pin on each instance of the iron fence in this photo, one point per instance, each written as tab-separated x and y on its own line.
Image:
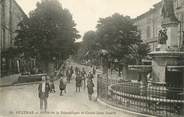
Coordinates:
151	98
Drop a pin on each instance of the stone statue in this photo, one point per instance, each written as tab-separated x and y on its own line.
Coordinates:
168	12
162	36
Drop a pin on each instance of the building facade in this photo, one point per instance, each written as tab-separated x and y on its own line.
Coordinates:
149	23
10	15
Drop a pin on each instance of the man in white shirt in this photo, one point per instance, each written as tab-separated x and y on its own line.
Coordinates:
43	90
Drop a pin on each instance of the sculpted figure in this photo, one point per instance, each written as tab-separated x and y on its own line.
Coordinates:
162	37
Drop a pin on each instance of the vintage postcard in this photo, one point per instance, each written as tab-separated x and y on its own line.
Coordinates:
92	58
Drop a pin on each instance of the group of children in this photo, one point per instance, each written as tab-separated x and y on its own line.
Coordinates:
82	79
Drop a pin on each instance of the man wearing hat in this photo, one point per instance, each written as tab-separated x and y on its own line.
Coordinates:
43	90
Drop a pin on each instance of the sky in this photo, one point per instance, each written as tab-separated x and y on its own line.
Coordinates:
87	12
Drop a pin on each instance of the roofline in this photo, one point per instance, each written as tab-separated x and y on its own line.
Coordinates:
155	6
20	8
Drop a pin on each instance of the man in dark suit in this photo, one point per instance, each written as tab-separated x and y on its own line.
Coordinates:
43	90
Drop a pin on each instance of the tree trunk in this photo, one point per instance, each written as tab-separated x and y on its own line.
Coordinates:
119	70
51	69
48	68
125	72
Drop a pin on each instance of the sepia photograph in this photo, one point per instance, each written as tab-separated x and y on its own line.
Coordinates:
92	58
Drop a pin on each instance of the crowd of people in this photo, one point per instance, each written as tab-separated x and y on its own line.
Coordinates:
83	79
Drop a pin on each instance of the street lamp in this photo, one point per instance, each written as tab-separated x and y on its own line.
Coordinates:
104	60
104	55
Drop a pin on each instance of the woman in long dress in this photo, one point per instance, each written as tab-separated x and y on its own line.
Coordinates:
62	86
90	86
78	81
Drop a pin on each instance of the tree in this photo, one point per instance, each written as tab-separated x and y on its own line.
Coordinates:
116	34
89	45
49	32
119	36
89	49
138	52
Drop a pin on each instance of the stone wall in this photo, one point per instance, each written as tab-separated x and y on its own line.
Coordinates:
11	14
0	22
149	23
5	23
17	16
179	6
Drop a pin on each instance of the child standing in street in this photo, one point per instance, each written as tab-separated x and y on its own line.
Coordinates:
62	86
83	73
78	81
65	83
90	86
52	87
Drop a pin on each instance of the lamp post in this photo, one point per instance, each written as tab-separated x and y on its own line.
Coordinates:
104	59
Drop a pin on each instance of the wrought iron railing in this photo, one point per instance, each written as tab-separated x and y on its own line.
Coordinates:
152	98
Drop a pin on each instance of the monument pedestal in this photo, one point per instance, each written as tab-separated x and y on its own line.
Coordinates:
172	33
168	68
168	60
162	47
160	62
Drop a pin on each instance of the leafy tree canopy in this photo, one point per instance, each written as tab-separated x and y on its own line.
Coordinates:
118	37
88	48
89	42
138	52
48	31
117	34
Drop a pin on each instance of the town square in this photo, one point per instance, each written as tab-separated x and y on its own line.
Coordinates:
92	58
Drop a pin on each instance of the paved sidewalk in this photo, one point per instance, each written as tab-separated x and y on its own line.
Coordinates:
8	80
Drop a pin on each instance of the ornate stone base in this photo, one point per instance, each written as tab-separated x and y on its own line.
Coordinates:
161	60
161	47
